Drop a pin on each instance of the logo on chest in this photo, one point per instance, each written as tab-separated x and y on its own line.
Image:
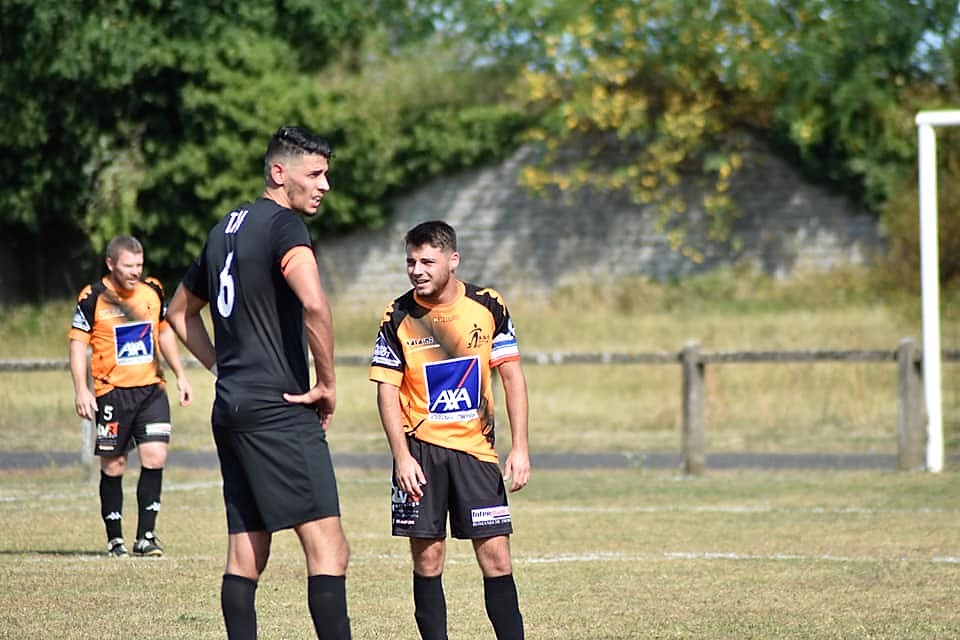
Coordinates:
134	343
453	389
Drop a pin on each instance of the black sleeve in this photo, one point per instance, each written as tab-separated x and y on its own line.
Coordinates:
195	279
286	232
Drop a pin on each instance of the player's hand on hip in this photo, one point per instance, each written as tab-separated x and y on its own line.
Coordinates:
322	398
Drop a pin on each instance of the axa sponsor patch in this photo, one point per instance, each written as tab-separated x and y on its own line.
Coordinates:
134	343
453	389
487	516
383	354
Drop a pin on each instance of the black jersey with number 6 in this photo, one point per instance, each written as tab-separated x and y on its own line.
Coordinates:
257	319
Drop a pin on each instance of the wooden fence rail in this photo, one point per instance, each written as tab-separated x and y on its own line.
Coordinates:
911	434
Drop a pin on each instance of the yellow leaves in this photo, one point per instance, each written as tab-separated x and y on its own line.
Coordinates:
539	86
612	110
664	95
806	130
534	178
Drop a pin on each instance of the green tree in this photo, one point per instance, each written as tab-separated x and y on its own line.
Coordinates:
656	90
151	117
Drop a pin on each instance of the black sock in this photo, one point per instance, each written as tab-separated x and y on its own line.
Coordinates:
327	599
503	607
111	504
430	607
148	499
238	603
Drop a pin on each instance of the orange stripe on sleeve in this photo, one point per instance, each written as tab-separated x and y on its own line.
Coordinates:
297	256
80	336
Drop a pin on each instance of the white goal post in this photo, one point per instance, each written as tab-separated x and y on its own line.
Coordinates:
930	276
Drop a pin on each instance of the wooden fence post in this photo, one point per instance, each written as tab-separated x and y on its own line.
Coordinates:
910	425
694	457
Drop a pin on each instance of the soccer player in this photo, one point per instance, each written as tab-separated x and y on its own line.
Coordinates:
259	275
433	363
121	319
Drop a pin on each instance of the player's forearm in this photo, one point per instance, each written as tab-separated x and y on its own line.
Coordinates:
391	419
517	415
168	347
183	316
318	324
518	410
304	280
78	365
197	341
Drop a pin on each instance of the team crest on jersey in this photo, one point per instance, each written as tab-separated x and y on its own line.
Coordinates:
383	355
134	342
80	320
453	389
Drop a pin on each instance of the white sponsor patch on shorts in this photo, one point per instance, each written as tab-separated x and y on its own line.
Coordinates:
490	516
158	429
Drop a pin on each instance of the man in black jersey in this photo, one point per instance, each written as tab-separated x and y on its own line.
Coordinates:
259	274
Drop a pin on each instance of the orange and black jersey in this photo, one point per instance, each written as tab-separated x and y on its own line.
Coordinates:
442	357
122	329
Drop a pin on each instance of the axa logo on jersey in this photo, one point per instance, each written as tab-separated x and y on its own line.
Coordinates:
453	389
134	343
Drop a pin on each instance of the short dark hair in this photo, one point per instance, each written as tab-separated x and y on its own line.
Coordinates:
123	243
435	233
292	140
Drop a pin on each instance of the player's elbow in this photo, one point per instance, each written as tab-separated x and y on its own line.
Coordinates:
316	309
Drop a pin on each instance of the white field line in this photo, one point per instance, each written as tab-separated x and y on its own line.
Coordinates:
566	558
33	498
713	555
92	491
617	556
27	496
722	508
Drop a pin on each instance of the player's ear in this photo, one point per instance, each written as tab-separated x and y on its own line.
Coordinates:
454	261
278	174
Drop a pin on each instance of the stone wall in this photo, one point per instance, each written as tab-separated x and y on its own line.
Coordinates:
524	245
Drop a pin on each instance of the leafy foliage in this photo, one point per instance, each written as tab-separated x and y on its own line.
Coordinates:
152	117
657	88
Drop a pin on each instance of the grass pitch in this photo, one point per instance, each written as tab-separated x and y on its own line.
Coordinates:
615	554
599	555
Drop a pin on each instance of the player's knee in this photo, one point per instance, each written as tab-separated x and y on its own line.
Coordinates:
428	565
114	466
153	455
343	553
496	568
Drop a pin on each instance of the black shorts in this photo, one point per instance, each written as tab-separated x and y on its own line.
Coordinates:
130	416
276	478
470	490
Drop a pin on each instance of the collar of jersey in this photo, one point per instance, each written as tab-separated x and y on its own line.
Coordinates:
461	291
